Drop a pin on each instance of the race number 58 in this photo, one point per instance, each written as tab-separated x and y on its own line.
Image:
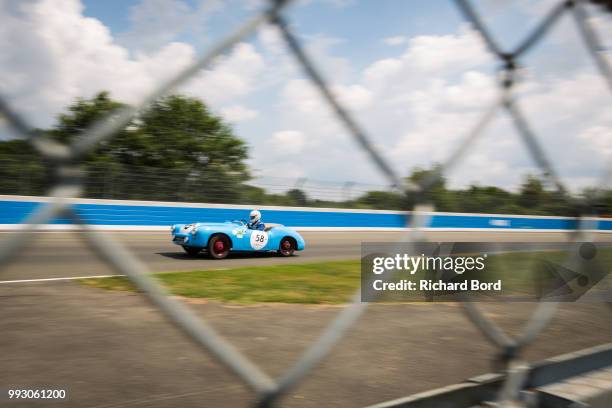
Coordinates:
259	239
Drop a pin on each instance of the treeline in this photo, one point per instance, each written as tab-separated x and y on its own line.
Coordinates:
532	198
21	174
177	143
178	150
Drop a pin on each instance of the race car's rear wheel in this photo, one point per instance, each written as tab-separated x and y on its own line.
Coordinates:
192	250
286	247
218	246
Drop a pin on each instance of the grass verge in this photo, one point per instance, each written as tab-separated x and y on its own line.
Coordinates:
325	282
329	282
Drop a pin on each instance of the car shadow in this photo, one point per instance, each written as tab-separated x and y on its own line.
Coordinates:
232	255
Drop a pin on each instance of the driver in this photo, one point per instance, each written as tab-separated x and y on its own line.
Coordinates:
255	222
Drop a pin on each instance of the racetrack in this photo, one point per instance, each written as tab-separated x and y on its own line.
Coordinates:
114	349
65	254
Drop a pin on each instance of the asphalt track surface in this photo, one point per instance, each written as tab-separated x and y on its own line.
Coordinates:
113	349
66	254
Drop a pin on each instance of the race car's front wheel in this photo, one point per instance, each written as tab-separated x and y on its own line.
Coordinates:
286	247
218	246
192	250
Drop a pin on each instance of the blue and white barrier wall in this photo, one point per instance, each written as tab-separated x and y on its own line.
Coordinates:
149	215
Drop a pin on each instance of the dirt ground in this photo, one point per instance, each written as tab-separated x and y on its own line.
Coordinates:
112	349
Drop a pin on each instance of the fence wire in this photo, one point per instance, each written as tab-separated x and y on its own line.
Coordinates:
64	162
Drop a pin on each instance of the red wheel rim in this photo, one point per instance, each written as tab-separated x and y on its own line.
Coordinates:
286	247
219	247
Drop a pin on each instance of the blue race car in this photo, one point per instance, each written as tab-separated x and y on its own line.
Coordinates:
219	238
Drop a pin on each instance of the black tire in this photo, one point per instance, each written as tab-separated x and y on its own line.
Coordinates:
219	246
192	250
286	247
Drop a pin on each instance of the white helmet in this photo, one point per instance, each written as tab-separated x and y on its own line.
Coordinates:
255	216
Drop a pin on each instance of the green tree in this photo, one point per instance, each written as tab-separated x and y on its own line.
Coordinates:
298	197
180	133
435	185
176	149
484	199
531	194
380	200
82	114
603	203
21	169
430	178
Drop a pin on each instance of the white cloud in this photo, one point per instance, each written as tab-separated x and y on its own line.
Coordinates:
420	105
599	139
232	77
392	98
446	54
301	96
320	48
282	66
155	23
355	96
238	113
288	141
52	54
395	40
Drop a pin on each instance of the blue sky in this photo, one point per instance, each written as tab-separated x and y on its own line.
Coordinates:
365	24
413	73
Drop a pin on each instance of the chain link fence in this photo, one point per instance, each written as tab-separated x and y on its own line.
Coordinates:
26	176
20	176
63	163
